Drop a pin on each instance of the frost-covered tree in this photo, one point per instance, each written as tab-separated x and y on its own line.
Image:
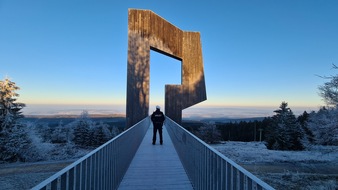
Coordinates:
44	131
10	110
329	90
59	134
209	133
101	134
82	130
285	132
324	126
303	121
115	131
15	144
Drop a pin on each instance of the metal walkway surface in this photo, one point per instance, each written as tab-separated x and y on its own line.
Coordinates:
156	166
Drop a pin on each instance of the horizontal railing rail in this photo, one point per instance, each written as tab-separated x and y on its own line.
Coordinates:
206	167
104	167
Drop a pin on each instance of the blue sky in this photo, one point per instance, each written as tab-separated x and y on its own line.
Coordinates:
256	53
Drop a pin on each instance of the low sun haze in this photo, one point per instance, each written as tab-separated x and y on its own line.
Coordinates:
256	54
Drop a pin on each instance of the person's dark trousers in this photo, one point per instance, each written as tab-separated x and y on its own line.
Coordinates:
159	128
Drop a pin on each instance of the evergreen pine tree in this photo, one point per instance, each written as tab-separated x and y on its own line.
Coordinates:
209	133
101	134
285	132
45	132
15	144
303	121
82	134
114	131
82	131
59	134
10	110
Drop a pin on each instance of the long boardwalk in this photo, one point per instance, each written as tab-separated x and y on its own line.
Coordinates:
156	166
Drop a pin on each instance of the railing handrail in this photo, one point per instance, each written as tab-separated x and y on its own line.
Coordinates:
104	167
182	154
143	125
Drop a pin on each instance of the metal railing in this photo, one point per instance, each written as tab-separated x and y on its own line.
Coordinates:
206	167
104	167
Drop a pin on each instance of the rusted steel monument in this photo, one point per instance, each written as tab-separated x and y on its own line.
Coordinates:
148	31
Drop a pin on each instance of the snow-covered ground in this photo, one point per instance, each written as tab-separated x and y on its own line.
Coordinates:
253	152
21	175
27	175
315	168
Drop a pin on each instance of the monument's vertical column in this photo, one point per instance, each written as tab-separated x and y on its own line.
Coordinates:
137	69
193	73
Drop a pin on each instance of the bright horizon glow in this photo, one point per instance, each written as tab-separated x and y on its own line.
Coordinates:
195	112
255	54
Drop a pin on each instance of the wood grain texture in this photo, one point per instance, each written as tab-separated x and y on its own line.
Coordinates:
148	31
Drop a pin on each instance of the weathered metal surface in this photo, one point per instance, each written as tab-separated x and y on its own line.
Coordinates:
146	31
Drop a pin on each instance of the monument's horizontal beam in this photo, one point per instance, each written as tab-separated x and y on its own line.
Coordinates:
156	31
165	53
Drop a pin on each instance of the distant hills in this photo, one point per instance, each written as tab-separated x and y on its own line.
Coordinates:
223	119
69	117
76	116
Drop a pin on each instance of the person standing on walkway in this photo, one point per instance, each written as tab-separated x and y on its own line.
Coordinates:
157	118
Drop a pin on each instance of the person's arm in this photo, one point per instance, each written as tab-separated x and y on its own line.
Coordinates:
152	117
163	118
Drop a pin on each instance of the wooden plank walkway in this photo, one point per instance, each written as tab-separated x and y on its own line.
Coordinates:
156	166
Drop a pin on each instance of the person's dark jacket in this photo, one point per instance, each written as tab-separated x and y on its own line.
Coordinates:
157	118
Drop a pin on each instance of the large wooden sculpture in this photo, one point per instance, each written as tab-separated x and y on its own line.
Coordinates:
148	31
